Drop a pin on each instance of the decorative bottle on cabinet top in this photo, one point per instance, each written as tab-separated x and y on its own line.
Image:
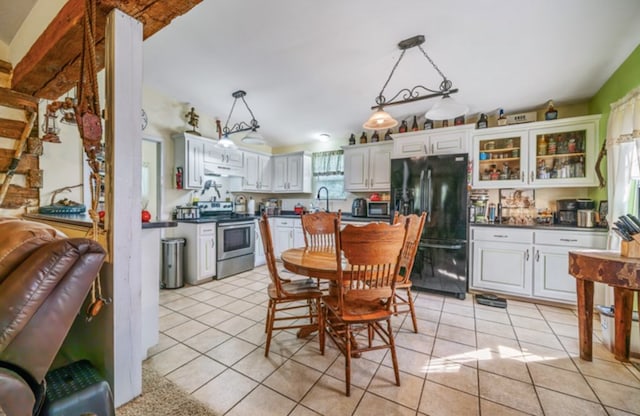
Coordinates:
352	139
482	123
403	127
414	125
363	138
551	113
375	137
387	135
502	120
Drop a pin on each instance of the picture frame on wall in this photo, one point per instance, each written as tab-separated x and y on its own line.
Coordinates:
603	210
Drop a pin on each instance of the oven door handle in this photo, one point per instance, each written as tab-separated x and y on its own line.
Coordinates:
236	224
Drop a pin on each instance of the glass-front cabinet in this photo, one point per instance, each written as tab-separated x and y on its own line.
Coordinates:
564	155
500	159
540	154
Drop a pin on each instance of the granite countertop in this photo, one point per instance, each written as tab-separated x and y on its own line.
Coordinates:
542	227
345	217
84	220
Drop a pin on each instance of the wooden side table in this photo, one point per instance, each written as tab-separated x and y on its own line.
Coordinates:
623	274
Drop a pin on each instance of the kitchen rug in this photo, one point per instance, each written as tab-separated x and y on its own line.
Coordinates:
161	397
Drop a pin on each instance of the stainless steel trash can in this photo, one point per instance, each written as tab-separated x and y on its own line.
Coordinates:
172	263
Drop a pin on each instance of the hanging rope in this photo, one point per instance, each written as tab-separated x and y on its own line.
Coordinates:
87	114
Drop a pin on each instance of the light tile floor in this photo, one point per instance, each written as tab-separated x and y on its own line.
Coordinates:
467	359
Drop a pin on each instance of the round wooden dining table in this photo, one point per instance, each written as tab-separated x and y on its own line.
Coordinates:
311	263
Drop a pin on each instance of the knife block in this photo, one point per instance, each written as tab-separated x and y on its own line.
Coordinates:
631	248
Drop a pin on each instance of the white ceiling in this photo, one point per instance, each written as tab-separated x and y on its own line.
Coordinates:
12	14
312	67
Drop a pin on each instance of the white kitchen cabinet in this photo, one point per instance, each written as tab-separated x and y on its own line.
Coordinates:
259	256
529	262
207	255
224	161
199	251
257	172
558	153
291	172
188	153
287	234
551	261
448	140
367	167
501	260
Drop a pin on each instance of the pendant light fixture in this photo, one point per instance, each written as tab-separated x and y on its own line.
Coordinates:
380	119
252	127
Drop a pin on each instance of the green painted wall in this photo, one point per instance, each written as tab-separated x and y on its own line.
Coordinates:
626	77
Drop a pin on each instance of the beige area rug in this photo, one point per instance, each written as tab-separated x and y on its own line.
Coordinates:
162	397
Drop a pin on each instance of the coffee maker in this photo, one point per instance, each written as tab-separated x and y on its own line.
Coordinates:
567	211
478	208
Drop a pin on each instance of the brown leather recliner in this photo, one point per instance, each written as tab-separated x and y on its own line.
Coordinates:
44	280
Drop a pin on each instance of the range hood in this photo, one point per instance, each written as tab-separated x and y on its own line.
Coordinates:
215	170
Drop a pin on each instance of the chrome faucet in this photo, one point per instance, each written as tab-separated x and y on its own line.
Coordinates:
327	199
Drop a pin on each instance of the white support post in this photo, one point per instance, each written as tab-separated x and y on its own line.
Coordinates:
123	65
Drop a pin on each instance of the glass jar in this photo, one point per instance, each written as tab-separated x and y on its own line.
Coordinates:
542	146
571	147
551	146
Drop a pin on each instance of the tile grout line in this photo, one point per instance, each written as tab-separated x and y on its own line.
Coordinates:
578	370
398	330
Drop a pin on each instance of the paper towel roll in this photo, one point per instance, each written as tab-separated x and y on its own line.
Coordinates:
251	206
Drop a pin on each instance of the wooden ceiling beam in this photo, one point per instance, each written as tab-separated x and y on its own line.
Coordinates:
52	66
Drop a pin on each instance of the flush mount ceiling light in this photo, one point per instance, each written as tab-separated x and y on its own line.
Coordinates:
253	137
380	119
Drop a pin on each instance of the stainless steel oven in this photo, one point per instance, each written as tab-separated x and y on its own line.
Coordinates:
236	247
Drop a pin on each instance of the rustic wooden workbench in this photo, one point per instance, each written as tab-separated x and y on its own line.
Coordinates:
623	274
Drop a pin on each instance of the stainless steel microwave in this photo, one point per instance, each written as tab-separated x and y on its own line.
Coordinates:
378	209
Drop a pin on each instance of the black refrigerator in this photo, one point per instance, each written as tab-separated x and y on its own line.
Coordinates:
437	185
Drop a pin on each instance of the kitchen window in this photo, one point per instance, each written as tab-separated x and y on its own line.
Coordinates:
328	170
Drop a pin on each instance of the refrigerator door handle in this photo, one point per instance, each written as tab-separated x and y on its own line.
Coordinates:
445	246
428	219
422	192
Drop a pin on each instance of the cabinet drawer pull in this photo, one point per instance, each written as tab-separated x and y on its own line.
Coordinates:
527	256
537	255
531	176
522	175
501	236
569	240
